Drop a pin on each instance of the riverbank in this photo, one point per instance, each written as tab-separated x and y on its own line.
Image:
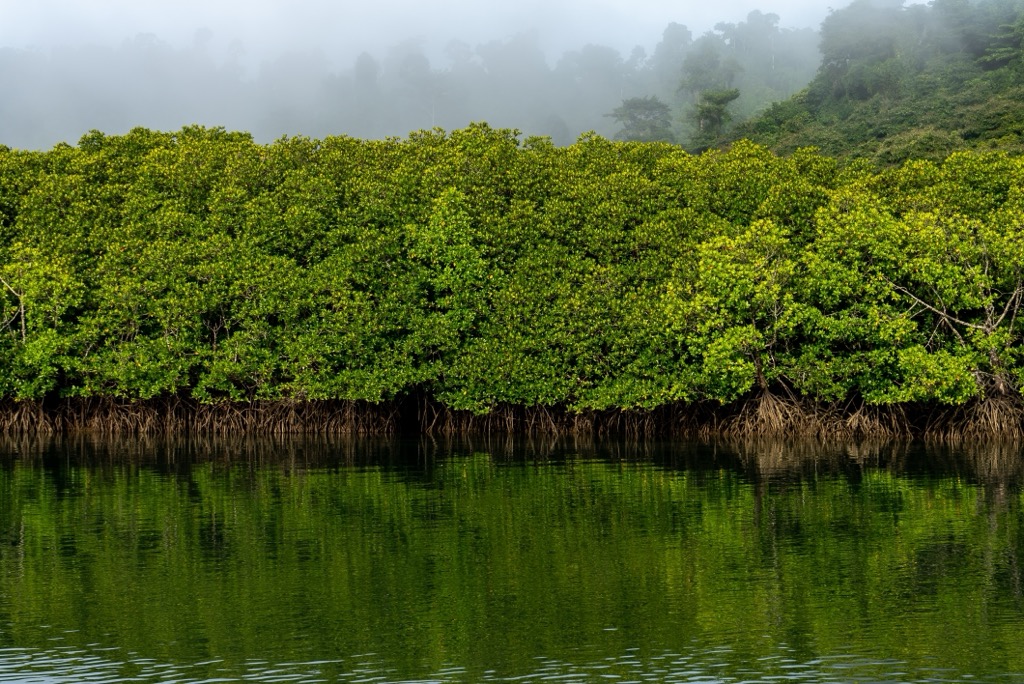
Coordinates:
760	415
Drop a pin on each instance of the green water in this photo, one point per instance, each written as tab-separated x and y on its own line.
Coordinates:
398	561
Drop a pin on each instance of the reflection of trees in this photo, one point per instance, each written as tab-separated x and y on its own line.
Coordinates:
995	461
997	466
495	546
292	453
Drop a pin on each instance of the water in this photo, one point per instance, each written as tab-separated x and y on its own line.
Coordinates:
299	561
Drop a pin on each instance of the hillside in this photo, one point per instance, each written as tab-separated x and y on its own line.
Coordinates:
897	83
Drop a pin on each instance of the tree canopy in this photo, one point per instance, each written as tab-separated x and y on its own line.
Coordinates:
485	270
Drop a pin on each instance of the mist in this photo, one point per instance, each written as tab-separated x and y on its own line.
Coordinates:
373	69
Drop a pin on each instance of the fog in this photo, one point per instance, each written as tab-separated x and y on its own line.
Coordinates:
312	67
343	30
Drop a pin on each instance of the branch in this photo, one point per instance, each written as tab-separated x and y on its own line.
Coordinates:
21	306
1015	296
1016	310
11	320
928	306
956	332
13	291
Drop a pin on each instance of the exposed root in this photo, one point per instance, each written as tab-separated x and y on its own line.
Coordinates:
438	420
998	417
113	417
25	417
769	414
863	421
763	415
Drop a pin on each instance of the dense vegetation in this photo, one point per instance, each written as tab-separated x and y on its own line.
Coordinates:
483	271
899	82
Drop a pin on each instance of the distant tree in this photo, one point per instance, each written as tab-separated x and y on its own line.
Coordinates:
1005	45
644	119
366	71
757	35
509	79
669	54
706	67
594	79
863	30
555	127
423	87
710	116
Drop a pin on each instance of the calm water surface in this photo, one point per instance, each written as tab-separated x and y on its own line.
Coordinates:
298	561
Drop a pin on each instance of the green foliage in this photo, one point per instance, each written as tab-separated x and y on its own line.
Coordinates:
907	82
484	271
643	119
706	68
710	115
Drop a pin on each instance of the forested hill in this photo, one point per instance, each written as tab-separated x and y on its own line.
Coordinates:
899	82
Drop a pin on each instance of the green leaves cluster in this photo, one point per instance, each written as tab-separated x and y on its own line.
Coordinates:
483	270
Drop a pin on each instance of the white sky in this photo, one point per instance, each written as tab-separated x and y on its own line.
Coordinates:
342	29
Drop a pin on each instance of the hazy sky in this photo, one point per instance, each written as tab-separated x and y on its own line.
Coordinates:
342	29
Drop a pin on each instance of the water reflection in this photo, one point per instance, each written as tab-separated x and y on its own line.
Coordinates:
504	560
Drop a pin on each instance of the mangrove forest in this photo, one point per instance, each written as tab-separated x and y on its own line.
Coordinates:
482	278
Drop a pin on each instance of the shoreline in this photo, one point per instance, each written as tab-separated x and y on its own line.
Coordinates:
755	416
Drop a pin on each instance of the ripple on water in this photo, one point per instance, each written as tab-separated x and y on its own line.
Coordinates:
28	666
